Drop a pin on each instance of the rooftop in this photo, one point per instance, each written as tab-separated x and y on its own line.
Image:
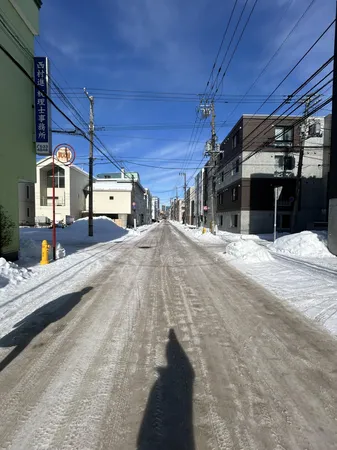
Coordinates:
109	185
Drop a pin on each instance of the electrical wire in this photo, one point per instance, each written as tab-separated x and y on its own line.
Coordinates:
263	71
23	70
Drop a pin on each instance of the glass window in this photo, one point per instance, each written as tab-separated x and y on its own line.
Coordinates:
235	140
59	178
234	194
284	136
234	220
28	192
27	212
237	164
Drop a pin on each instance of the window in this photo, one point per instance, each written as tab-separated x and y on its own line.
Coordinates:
222	176
28	192
221	220
289	162
111	197
234	194
59	177
314	129
28	211
284	136
235	140
237	164
284	162
220	199
234	220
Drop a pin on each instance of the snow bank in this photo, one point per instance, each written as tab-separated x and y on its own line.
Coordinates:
12	273
307	244
248	251
105	230
30	248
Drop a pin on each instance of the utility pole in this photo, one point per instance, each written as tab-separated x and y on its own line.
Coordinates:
332	188
214	155
300	167
212	149
183	174
91	163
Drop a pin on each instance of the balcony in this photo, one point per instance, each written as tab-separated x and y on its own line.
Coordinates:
48	201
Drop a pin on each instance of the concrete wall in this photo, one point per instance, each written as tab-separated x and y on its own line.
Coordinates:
17	150
26	203
228	222
121	203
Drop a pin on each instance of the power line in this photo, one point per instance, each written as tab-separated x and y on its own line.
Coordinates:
299	62
23	70
228	47
270	60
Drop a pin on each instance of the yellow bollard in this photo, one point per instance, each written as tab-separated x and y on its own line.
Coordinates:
204	230
44	253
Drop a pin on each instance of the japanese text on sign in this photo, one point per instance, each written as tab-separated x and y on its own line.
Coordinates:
41	106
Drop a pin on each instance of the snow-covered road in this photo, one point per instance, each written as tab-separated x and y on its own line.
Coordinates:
167	347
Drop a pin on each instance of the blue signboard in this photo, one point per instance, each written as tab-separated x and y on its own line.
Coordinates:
42	110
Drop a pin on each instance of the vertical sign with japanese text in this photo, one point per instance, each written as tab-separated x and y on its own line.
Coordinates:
42	110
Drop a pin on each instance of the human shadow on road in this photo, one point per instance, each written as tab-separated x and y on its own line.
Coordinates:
32	325
168	419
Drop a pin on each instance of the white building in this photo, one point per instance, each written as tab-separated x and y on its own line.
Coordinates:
26	203
121	197
155	209
70	190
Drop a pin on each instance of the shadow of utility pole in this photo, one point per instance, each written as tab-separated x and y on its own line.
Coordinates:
31	326
168	419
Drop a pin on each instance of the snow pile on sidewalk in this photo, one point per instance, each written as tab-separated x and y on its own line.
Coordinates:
105	230
30	248
12	273
248	251
307	244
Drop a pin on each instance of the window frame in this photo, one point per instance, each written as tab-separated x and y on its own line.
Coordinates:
235	194
280	138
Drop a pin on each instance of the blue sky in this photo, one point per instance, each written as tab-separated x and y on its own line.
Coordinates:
170	46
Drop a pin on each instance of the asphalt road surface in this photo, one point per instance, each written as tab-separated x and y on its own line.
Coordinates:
168	348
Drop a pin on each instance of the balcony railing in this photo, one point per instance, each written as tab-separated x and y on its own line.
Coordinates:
49	201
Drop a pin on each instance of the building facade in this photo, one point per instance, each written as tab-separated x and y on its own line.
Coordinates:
155	209
121	197
17	117
190	212
259	154
26	203
71	185
200	197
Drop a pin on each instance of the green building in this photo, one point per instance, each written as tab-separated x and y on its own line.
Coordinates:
19	23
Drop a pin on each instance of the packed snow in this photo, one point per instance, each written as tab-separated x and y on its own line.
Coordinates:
27	285
307	244
11	273
297	268
248	251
